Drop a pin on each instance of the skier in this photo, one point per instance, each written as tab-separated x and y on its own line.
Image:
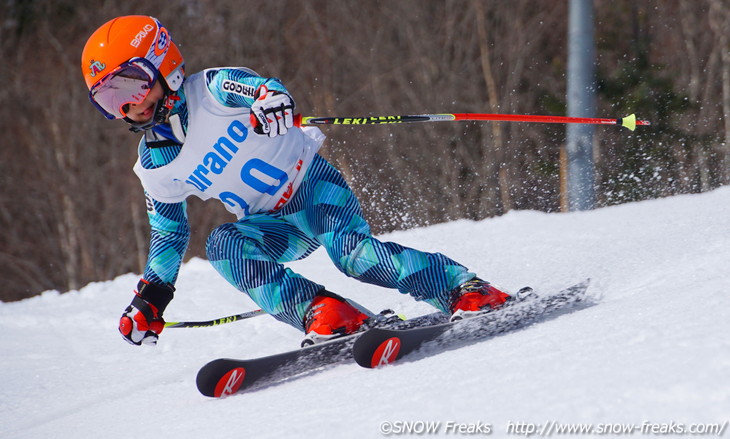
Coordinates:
228	134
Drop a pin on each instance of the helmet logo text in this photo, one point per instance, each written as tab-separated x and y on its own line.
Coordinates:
141	35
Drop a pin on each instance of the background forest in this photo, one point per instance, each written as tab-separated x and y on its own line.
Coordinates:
72	211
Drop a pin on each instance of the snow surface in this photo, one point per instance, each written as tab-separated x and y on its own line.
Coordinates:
655	347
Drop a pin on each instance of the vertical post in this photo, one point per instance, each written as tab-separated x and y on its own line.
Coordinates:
581	103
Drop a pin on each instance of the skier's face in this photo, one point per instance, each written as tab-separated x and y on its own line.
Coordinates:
144	111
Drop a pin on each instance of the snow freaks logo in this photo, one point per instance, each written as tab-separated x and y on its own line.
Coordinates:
422	428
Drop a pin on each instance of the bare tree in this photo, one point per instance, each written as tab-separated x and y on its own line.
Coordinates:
71	210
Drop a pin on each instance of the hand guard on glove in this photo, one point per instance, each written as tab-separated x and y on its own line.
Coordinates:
272	112
142	320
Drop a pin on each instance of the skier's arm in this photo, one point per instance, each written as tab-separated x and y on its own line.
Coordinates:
272	107
142	320
170	232
169	238
236	87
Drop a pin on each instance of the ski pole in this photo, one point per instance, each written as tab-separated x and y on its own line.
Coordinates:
216	322
629	122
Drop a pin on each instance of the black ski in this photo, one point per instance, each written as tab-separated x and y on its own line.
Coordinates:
380	346
226	376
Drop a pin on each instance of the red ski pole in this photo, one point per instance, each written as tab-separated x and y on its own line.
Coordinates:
629	122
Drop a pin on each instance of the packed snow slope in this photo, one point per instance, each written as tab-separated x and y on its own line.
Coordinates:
654	348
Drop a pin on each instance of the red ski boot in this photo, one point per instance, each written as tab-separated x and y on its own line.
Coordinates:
475	297
330	316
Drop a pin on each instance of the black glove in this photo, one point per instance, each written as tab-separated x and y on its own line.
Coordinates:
142	320
272	112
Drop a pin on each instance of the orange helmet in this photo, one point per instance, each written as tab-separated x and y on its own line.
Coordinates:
121	45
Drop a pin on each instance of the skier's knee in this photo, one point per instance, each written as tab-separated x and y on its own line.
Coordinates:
219	239
354	260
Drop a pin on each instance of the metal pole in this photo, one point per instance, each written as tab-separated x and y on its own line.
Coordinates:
581	103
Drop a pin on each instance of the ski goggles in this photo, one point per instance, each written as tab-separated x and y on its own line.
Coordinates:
130	83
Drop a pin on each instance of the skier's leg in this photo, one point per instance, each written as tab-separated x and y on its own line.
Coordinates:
249	255
329	212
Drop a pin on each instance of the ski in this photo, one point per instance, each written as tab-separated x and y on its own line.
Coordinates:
376	346
226	376
380	346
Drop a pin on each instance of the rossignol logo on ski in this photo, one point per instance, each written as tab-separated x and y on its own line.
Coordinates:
387	352
230	383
